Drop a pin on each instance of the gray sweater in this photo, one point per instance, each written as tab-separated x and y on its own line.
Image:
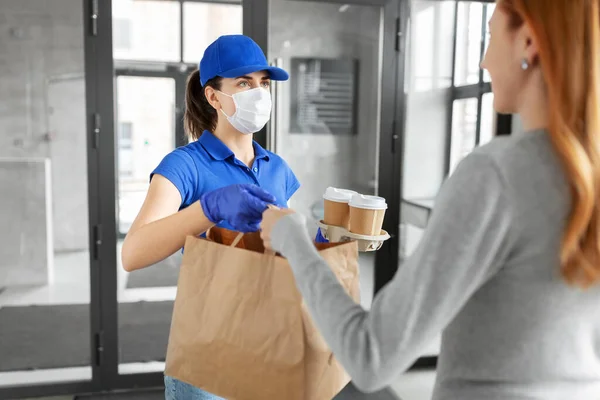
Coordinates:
486	273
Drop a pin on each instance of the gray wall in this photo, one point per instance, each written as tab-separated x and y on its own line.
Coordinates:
42	112
25	217
301	29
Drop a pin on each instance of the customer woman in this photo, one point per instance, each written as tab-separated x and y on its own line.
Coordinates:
509	265
222	177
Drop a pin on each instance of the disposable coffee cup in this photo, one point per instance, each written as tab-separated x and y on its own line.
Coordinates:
337	211
366	214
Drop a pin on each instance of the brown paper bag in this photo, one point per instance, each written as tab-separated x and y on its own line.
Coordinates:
240	329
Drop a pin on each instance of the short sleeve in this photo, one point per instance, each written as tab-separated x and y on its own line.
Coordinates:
179	168
292	183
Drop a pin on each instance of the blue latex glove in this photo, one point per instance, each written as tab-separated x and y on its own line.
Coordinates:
241	206
320	238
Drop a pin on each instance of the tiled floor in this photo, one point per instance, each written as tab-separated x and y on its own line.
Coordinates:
72	286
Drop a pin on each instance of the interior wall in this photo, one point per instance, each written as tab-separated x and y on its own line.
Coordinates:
42	112
325	30
25	255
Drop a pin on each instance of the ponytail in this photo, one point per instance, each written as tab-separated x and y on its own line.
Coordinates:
199	114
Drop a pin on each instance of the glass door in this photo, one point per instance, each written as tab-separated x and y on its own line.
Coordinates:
448	108
346	53
145	133
329	122
48	175
156	44
145	129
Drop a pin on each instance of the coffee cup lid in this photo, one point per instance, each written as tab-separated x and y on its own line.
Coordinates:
368	202
338	195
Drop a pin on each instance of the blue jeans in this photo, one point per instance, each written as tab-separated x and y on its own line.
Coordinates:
177	390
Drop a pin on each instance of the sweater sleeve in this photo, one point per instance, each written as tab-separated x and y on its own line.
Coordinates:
466	242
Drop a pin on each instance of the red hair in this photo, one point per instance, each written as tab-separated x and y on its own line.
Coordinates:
567	33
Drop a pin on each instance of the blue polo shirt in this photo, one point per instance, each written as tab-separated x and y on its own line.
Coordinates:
208	164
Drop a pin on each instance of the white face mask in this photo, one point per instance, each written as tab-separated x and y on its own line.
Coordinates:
252	110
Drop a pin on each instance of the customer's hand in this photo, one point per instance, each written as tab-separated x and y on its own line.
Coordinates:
241	206
269	219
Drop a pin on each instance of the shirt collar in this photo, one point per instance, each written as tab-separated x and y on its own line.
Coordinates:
259	152
219	151
214	146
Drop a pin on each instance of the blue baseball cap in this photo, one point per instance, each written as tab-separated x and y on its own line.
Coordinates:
231	56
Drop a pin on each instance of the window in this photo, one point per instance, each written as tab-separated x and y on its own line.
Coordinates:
203	23
122	33
464	130
487	121
431	65
125	135
468	43
473	116
151	28
125	146
489	11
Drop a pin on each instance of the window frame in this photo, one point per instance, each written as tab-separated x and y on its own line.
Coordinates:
503	124
180	60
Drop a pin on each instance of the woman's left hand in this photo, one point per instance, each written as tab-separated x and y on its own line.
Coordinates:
270	217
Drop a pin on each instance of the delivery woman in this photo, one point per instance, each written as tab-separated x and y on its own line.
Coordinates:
509	266
222	177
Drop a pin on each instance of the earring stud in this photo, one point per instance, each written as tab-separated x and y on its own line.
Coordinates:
524	64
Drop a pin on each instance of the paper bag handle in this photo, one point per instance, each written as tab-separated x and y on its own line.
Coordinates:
239	237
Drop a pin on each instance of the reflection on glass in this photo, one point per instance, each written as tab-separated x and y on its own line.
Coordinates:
205	22
464	130
145	134
44	252
489	11
488	119
468	43
146	30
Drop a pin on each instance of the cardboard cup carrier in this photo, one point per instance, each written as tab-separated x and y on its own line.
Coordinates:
367	214
337	210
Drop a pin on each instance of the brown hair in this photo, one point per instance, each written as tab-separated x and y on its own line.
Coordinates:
199	114
568	36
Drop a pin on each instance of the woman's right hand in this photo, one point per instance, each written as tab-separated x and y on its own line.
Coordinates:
241	206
